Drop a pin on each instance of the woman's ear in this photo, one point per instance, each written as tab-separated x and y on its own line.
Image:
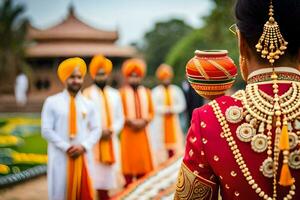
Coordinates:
244	56
243	46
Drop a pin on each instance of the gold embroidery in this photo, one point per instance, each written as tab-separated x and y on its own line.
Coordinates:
193	139
203	124
190	186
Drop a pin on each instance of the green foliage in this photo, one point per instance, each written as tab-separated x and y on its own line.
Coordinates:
214	34
33	144
183	51
12	33
2	122
158	41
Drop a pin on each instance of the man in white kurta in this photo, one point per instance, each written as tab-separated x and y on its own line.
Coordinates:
109	106
21	88
56	130
169	102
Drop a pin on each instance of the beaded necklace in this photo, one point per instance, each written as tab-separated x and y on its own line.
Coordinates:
240	159
262	113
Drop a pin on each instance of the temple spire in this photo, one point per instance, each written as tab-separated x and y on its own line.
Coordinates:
71	9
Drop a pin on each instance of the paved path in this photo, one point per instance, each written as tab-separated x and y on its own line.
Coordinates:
35	189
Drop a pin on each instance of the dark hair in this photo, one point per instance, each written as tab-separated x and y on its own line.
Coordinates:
251	15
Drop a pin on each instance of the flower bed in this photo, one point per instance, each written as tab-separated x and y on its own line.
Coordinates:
29	158
10	140
22	149
4	169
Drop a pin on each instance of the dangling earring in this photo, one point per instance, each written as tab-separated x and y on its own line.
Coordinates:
244	67
271	44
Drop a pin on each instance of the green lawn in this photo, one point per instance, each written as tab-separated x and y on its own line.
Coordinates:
33	144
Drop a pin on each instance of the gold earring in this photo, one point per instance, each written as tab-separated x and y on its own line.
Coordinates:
244	67
271	43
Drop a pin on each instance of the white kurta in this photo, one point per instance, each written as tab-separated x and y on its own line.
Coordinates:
157	125
21	87
106	176
55	129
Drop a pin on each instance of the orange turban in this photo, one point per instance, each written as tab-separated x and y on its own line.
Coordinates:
134	65
66	68
100	62
164	71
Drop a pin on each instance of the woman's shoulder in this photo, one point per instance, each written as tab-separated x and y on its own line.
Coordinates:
225	102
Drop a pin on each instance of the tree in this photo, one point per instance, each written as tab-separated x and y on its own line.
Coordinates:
12	44
158	41
213	35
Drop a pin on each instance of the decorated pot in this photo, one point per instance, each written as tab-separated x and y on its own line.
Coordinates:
211	73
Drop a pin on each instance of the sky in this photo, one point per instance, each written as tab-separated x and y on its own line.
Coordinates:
132	18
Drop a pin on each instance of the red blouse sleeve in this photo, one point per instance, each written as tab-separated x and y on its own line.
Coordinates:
196	179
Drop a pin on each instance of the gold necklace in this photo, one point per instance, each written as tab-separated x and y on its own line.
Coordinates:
259	107
240	160
262	107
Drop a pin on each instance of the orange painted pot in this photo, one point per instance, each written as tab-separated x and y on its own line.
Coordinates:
211	73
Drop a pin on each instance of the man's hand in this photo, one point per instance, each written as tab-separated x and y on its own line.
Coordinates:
139	124
106	134
129	122
136	124
75	151
168	112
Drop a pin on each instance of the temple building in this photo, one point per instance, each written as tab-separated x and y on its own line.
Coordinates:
71	37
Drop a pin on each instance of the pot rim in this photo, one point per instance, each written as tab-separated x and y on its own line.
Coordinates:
213	52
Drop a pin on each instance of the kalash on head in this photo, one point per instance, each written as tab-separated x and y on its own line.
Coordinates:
255	132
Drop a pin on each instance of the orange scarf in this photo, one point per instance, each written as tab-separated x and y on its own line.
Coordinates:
133	111
136	152
169	120
79	185
106	151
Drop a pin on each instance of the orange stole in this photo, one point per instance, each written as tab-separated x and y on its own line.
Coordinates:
169	122
106	151
79	185
135	148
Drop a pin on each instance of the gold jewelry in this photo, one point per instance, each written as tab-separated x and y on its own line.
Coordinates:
245	132
234	114
293	140
239	158
296	125
259	143
294	159
267	168
279	71
260	110
271	43
263	108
